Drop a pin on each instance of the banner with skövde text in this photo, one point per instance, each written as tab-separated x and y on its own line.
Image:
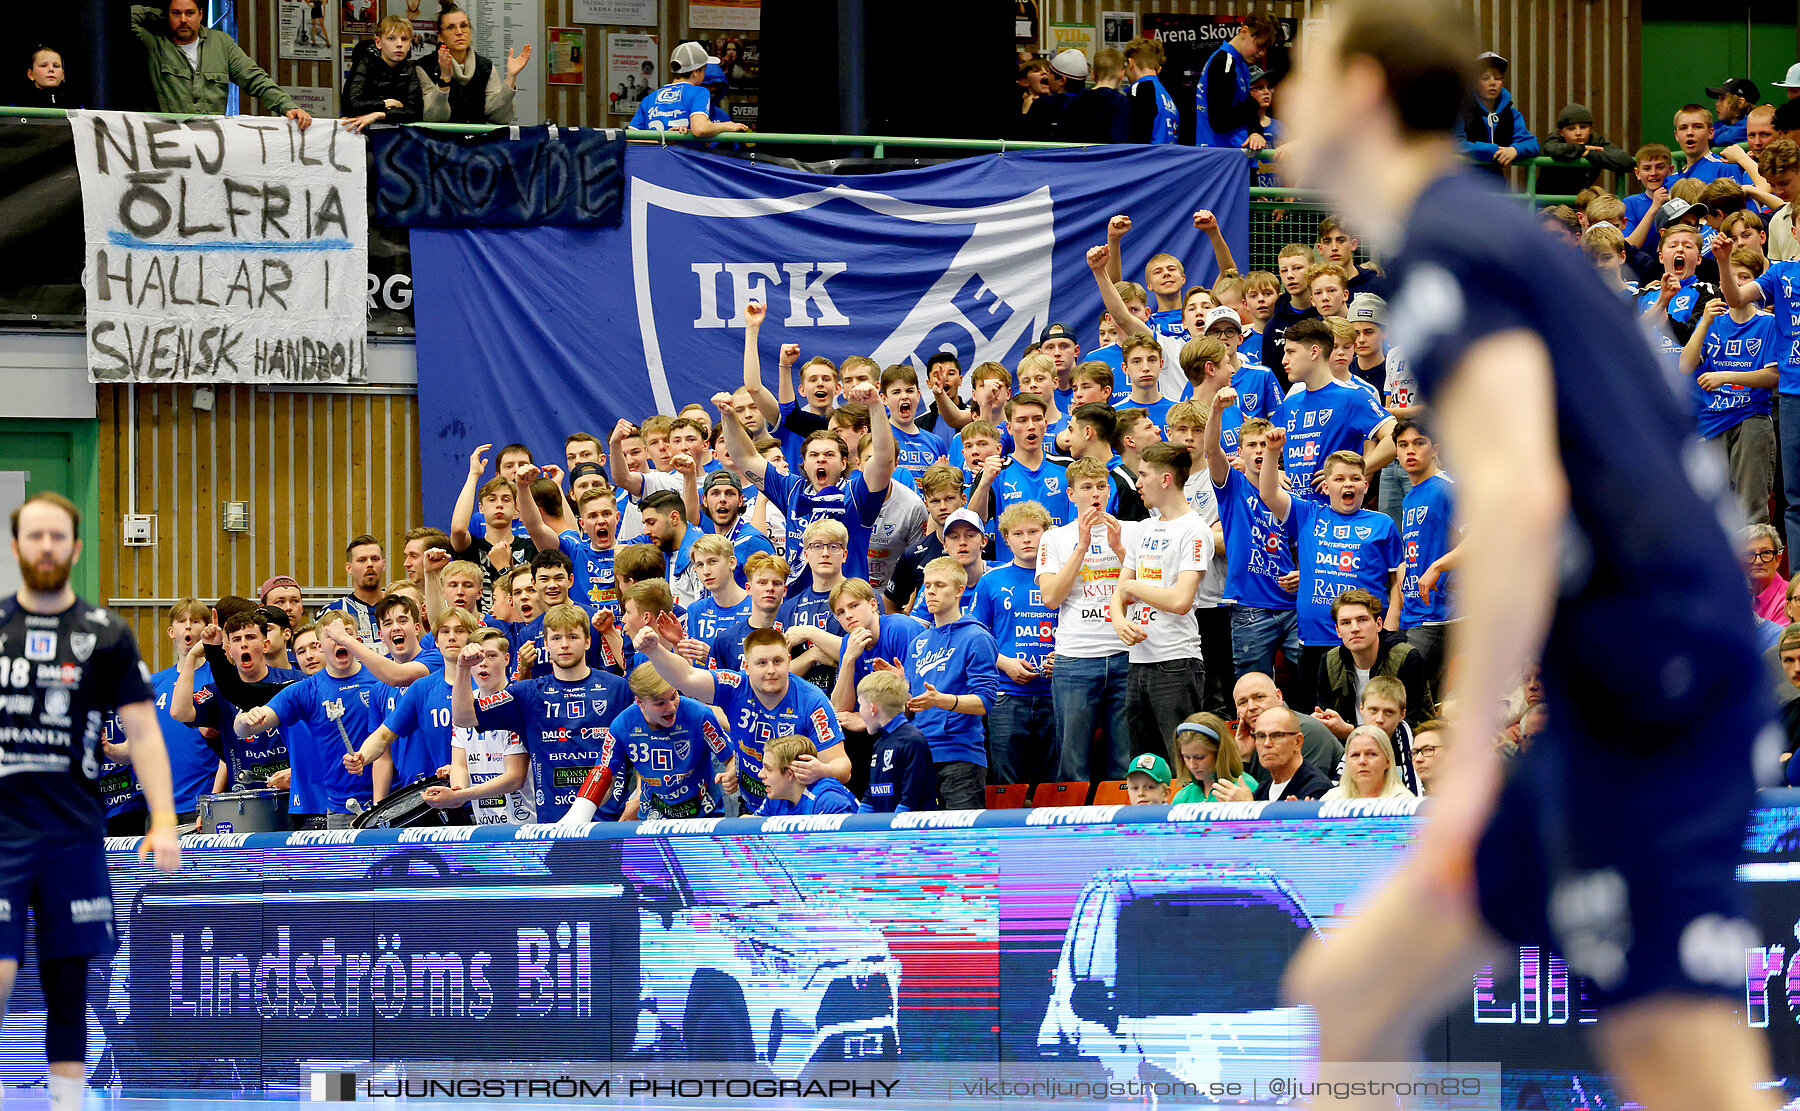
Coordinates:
223	249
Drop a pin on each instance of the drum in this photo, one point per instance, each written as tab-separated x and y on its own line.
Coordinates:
259	810
406	807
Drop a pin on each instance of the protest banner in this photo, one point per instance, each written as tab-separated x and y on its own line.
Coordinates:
223	249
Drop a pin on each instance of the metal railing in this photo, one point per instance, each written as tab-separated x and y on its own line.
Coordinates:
1271	205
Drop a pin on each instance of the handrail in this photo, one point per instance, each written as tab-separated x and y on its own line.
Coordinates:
878	144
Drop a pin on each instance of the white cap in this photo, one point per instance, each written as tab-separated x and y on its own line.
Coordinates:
963	517
1071	63
1221	315
1792	80
690	56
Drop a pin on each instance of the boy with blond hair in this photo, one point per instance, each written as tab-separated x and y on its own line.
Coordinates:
788	793
673	743
951	672
900	772
1021	725
1077	571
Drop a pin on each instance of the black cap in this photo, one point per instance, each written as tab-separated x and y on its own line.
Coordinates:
1737	86
1057	331
722	477
269	615
582	470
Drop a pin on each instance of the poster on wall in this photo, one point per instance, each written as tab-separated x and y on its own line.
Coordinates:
277	294
1070	36
740	65
358	17
424	25
1117	29
731	15
616	13
319	100
305	31
631	72
513	25
565	55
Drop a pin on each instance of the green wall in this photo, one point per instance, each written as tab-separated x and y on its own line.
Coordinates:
61	456
1682	59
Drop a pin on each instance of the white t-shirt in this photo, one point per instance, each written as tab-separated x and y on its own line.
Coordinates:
1204	500
1362	680
487	752
1084	620
900	524
1157	552
1402	385
192	50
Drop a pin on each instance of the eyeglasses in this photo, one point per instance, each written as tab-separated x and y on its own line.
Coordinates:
1261	737
1426	750
827	546
1761	557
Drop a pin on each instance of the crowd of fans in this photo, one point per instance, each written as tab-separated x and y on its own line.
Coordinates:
1202	544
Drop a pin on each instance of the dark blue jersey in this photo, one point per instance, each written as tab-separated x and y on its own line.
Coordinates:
420	722
61	674
248	760
675	765
1643	547
901	777
566	726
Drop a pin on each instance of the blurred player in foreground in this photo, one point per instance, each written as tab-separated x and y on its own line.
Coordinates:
1591	509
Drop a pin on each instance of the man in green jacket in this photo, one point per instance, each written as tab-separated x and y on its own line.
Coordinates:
193	66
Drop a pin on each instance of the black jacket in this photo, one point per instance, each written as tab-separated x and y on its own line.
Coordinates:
1308	783
372	83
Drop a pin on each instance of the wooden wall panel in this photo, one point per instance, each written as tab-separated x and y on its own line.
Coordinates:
316	468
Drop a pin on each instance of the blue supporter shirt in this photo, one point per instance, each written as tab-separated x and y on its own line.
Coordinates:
1735	348
726	650
118	783
894	634
1780	285
1010	606
850	503
1709	167
1257	552
1334	417
915	451
1204	136
1428	530
706	617
1258	395
922	613
192	761
675	765
1682	307
1636	207
746	540
803	709
1682	591
671	108
1048	485
566	727
593	586
824	796
420	722
1158	410
808	607
957	658
326	705
1338	552
1166	128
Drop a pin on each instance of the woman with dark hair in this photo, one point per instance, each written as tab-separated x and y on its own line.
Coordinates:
461	86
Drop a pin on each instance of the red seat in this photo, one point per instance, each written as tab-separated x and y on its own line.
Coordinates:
1111	793
1006	796
1060	794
